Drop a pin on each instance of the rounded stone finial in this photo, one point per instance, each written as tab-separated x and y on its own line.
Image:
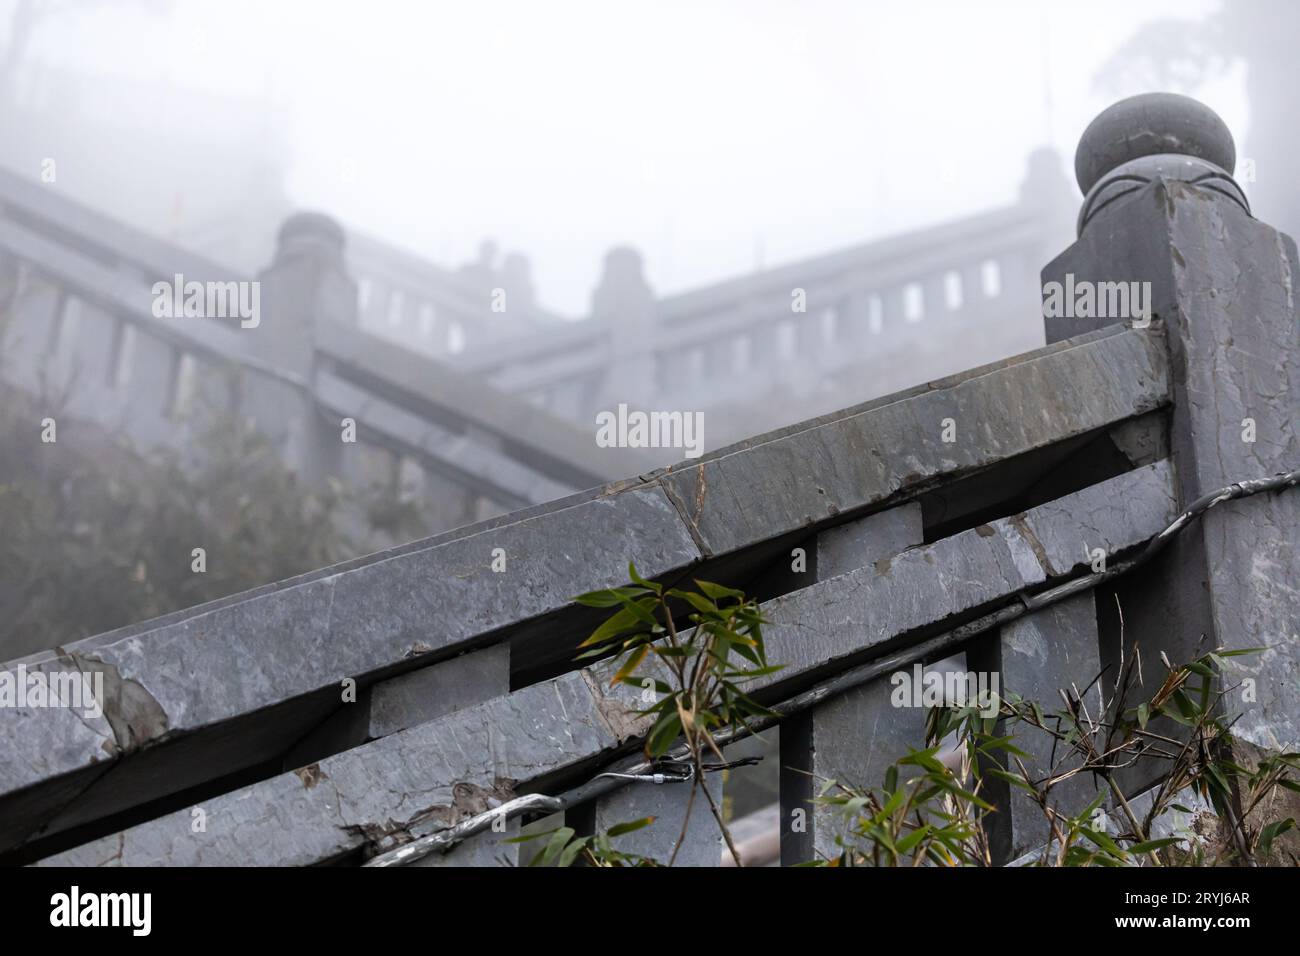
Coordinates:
1154	136
623	263
310	232
1152	124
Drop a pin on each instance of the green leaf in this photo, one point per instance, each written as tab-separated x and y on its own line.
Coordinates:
1150	845
607	597
906	844
641	610
695	600
757	671
1103	841
895	801
717	591
1271	832
1011	778
554	847
632	663
572	850
1003	745
664	650
665	731
619	623
619	829
637	579
924	758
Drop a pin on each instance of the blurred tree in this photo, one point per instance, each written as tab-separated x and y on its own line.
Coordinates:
1178	55
105	538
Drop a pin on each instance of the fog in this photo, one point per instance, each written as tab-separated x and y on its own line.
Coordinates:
715	137
343	343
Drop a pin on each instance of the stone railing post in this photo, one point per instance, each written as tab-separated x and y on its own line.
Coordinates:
624	301
1165	232
853	738
307	283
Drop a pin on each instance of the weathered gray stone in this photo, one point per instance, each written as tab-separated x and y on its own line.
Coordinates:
853	738
434	691
397	703
1223	287
1151	124
213	666
928	585
489	848
571	719
1034	657
667	803
278	643
856	544
758	490
433	774
46	740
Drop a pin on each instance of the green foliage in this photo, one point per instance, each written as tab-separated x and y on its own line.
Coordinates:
936	805
697	672
704	665
564	848
933	808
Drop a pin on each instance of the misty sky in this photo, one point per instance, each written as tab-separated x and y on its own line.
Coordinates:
713	135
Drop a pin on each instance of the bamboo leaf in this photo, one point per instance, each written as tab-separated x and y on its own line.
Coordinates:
631	664
619	829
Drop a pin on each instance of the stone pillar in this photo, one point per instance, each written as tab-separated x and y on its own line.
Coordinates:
624	302
1162	208
856	736
702	845
1035	657
307	283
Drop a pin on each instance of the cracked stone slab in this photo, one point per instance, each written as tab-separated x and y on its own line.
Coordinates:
199	670
763	488
409	778
434	774
929	585
37	739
